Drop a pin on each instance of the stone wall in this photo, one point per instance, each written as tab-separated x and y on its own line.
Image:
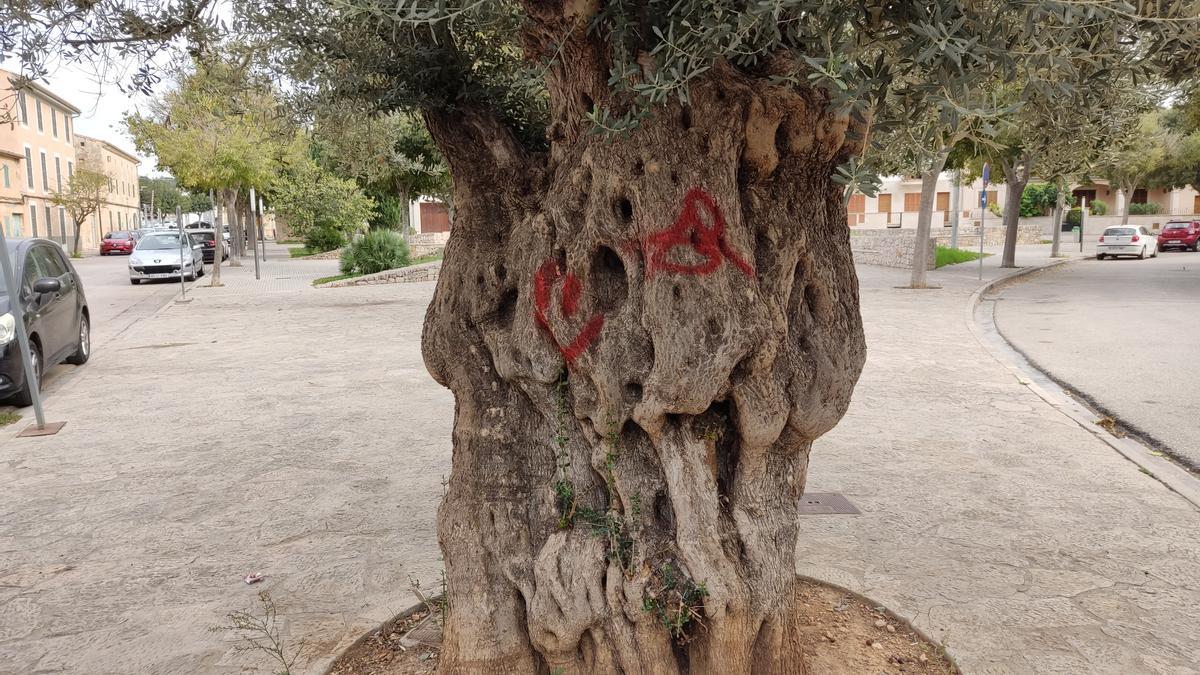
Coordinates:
968	234
424	243
887	248
424	272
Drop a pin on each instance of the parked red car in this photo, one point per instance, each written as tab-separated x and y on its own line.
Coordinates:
1180	234
118	242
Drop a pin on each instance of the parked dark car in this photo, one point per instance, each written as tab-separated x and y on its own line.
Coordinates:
118	242
208	239
55	312
1180	234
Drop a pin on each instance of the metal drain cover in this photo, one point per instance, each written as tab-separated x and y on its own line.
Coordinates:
825	503
427	633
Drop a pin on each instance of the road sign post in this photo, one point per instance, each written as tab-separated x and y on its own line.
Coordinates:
182	285
983	203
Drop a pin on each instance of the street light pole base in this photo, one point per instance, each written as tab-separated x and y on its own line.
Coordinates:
50	429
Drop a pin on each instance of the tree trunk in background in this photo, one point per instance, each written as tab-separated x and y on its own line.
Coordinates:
929	179
235	233
1128	189
1016	175
1059	204
643	336
214	278
77	246
403	194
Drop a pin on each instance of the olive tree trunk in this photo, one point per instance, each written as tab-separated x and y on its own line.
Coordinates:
644	336
1128	187
929	179
230	197
1059	209
1016	177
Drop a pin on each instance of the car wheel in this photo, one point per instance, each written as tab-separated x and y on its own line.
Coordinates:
83	348
1154	253
1142	255
135	282
25	396
191	275
1099	256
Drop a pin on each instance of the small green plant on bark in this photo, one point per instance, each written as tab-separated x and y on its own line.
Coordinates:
676	601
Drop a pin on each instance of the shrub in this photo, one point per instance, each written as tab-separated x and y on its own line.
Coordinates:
1074	217
1147	209
1098	208
379	250
995	209
323	239
1037	199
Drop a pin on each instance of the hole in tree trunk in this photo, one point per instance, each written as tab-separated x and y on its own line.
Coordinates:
674	178
663	511
639	168
624	209
781	138
633	392
685	117
675	291
508	306
608	283
588	104
719	429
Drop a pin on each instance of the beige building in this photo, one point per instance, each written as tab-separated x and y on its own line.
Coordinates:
120	209
41	135
12	205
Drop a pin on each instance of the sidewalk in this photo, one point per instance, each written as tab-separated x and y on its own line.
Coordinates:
993	522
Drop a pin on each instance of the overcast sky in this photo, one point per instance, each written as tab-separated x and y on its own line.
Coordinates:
101	103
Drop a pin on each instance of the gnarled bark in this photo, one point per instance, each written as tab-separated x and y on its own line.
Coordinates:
643	335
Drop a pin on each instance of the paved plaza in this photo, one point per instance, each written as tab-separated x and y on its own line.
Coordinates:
275	428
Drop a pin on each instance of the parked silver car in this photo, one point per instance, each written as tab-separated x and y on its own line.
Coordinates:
158	256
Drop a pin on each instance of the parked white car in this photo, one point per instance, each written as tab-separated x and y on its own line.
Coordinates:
160	256
1120	240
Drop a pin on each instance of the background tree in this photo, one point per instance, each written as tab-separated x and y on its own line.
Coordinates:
214	129
323	209
86	191
159	194
1135	156
647	310
392	156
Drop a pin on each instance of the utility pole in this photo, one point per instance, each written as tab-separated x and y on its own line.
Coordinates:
254	232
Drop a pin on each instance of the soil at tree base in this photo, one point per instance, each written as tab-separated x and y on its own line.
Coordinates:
843	634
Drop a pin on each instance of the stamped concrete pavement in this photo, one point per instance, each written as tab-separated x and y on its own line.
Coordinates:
292	432
296	433
996	524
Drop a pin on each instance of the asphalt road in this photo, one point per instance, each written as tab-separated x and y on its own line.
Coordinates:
115	306
1125	333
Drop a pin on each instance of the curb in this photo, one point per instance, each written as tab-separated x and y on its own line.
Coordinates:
981	321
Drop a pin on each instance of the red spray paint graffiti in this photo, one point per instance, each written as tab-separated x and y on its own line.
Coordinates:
689	229
544	281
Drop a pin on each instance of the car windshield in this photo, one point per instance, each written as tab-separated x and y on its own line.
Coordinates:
159	242
203	236
118	235
1176	226
1120	231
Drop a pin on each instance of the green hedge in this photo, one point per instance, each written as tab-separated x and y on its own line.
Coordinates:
1147	209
